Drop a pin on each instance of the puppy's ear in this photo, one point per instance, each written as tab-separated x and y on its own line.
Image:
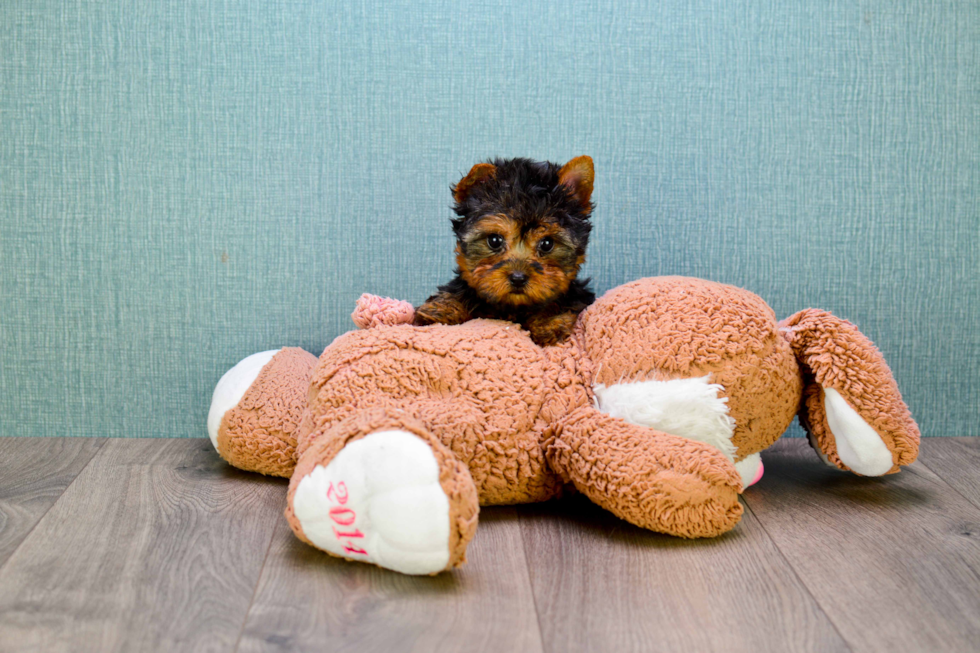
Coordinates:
478	173
577	176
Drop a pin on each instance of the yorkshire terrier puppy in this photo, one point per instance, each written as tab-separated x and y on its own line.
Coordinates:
521	235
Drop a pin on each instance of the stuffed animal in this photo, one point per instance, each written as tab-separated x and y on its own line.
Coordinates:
655	408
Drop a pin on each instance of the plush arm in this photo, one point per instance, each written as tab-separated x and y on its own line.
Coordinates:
372	311
649	478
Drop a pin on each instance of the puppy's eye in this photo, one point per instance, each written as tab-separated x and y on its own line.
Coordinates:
546	244
495	241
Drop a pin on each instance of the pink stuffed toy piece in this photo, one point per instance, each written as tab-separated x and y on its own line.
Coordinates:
656	408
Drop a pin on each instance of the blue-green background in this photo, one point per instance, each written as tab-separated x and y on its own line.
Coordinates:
185	183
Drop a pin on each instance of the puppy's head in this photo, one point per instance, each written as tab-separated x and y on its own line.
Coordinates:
523	228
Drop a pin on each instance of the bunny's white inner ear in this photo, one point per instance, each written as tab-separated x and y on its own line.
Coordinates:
858	445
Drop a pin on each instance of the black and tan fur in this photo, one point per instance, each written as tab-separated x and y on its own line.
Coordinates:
521	234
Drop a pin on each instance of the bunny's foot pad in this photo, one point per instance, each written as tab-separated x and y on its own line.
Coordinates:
379	500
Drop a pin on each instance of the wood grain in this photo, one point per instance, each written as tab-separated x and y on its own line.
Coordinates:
956	461
157	545
893	561
601	584
307	600
33	474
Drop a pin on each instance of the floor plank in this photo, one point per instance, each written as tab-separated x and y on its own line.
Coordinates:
157	545
308	600
893	561
33	474
956	461
601	584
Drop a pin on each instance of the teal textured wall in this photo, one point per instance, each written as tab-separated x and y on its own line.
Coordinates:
185	183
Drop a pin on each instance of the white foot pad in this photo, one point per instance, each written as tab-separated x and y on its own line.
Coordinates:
858	445
750	469
232	387
379	500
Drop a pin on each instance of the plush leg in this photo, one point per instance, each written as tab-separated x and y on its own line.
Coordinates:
750	469
852	409
380	488
257	407
649	478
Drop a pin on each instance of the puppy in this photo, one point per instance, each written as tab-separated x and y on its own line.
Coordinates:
521	234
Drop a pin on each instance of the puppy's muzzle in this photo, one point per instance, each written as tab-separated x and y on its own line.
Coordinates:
517	280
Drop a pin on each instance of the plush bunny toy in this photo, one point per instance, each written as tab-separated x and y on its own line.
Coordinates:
656	408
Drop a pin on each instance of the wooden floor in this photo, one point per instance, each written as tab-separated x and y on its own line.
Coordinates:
157	545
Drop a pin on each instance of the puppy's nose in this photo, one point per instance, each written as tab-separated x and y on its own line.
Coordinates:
517	279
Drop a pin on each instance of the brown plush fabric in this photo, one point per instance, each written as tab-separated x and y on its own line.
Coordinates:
678	327
511	422
478	387
259	434
521	418
373	311
454	477
834	354
649	478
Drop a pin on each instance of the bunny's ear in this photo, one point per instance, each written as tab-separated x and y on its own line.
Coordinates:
477	174
577	176
852	409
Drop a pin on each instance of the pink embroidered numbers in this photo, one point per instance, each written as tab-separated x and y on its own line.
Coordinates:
343	516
